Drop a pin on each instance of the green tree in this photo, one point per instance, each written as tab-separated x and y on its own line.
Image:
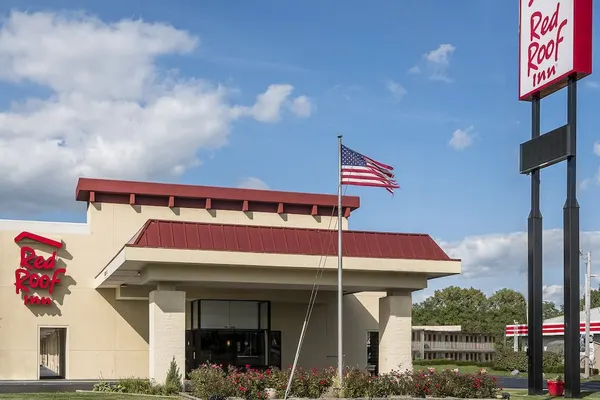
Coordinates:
594	297
549	310
506	307
454	306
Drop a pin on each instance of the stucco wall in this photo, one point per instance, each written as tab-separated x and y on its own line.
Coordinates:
109	338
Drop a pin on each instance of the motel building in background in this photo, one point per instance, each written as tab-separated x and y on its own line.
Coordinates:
161	272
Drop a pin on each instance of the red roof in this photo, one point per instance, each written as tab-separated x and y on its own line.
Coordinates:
210	197
262	239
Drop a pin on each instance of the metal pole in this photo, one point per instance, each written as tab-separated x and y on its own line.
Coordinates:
340	292
534	267
515	337
588	300
571	253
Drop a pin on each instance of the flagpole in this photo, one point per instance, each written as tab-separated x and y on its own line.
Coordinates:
340	282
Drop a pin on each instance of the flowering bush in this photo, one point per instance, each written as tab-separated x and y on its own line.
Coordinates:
251	384
306	383
212	382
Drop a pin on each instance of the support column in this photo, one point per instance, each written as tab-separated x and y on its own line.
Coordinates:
422	343
395	329
167	331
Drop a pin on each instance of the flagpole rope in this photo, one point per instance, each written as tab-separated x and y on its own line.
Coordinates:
311	302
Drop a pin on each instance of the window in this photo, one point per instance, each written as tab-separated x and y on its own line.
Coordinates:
227	314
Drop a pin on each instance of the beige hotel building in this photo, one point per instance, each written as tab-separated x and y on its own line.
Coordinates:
193	273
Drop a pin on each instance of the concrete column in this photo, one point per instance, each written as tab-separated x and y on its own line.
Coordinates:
395	328
422	347
167	331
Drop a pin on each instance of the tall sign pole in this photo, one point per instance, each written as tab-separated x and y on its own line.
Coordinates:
555	51
571	253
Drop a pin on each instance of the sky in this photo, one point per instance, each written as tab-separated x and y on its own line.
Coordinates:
254	93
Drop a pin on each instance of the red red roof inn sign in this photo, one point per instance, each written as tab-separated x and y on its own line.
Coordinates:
555	42
37	272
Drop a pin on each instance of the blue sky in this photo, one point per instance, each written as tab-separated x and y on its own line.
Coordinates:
353	63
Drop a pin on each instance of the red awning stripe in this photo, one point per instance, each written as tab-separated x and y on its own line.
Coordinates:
549	329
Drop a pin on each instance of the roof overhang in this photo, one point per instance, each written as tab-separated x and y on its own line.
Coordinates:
143	265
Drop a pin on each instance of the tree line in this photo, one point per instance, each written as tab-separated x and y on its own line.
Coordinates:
478	313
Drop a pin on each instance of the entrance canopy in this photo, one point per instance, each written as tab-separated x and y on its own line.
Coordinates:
219	254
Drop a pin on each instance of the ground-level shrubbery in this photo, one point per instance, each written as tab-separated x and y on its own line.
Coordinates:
458	363
507	360
212	381
171	387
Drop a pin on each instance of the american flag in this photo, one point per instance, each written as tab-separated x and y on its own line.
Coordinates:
359	170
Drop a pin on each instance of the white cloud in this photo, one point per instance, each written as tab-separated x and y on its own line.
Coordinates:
302	106
414	70
585	184
268	105
553	293
597	148
462	138
438	61
441	55
396	89
111	111
252	183
592	84
501	255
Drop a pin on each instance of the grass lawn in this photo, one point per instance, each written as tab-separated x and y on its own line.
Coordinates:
521	394
465	369
78	396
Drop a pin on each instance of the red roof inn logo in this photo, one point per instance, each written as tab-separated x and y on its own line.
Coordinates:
555	41
37	272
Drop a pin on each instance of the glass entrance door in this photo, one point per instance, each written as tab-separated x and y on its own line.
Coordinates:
233	347
218	347
229	332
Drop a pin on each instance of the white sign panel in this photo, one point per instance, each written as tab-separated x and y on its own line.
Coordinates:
546	48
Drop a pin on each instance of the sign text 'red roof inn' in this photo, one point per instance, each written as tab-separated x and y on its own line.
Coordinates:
37	272
555	42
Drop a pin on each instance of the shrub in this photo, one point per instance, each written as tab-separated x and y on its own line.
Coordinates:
313	383
552	360
138	386
250	384
132	385
212	383
510	360
210	380
438	361
356	384
173	379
